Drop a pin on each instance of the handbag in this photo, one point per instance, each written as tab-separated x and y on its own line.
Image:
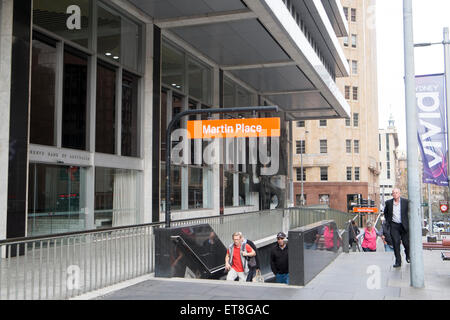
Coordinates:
251	262
258	277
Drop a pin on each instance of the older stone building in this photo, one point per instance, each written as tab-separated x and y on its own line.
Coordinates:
340	158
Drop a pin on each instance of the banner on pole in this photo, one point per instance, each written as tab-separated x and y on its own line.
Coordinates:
432	128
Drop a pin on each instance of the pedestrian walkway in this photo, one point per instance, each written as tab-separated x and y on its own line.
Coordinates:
353	276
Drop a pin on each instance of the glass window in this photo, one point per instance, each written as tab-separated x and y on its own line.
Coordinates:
244	98
322	123
228	94
324	199
118	38
300	147
244	189
356	119
354	40
348	146
228	188
175	187
346	12
74	100
116	197
356	146
106	110
355	93
56	198
298	198
195	198
43	73
347	122
356	173
347	92
66	18
353	15
323	146
323	173
349	173
130	126
345	41
172	67
200	82
299	174
354	67
301	124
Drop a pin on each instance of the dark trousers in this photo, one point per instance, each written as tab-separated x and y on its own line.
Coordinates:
251	274
398	234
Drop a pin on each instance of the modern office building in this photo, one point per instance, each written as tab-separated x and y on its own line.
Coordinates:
339	159
88	88
388	148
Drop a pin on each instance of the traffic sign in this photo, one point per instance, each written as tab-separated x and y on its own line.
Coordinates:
443	206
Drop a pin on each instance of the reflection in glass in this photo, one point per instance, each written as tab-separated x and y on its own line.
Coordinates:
56	198
228	94
109	36
74	100
244	189
172	67
199	81
106	110
43	72
175	187
52	15
118	38
129	115
228	188
195	188
116	197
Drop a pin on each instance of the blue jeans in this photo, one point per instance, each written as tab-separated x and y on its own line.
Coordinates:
388	248
282	278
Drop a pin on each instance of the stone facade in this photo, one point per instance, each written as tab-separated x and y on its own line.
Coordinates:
360	90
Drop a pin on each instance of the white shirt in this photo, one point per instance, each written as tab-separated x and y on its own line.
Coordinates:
396	212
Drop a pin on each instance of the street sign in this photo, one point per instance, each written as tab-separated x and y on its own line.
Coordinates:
424	204
234	128
365	210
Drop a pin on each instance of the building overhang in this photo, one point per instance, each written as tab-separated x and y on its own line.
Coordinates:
336	15
261	44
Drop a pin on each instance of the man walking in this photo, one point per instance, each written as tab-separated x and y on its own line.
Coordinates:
235	261
396	215
279	260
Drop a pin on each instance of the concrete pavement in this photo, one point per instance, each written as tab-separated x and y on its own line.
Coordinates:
353	276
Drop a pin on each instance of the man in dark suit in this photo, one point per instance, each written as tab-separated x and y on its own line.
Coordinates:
396	214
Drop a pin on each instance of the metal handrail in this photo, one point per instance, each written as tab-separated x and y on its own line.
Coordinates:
38	267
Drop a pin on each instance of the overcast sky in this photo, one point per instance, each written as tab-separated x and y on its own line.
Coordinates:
430	18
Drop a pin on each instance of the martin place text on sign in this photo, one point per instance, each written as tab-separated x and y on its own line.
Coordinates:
234	128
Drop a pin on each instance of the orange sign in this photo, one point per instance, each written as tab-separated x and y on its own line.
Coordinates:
365	210
234	128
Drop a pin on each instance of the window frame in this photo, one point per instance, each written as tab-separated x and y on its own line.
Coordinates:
323	173
323	143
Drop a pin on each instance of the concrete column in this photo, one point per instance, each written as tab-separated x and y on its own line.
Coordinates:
6	19
146	126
